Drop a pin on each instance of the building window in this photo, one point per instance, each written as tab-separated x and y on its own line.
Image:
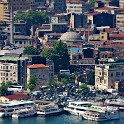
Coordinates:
122	73
10	67
117	73
7	67
111	74
6	74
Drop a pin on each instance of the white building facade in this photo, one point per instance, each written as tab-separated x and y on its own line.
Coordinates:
77	7
8	72
107	74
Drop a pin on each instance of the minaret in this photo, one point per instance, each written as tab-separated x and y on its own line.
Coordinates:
11	23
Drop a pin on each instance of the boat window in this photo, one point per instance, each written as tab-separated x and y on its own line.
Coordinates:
80	109
11	110
2	110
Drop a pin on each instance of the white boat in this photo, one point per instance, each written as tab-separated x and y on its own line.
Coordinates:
27	112
78	107
6	109
119	103
48	109
98	113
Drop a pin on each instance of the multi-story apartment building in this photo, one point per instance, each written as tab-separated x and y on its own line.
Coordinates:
3	7
60	5
120	19
121	3
39	2
52	28
14	68
77	7
107	74
17	5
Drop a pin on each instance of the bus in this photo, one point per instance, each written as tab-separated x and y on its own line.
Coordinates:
16	88
65	72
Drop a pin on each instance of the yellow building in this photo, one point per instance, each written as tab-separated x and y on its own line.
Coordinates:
3	7
9	98
103	36
17	5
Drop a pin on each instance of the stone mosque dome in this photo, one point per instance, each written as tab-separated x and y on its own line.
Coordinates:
70	36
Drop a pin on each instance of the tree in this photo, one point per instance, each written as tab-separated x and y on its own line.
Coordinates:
3	89
91	2
84	87
32	17
9	83
30	86
91	77
32	83
64	80
30	50
59	55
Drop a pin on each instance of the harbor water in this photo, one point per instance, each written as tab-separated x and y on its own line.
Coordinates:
60	119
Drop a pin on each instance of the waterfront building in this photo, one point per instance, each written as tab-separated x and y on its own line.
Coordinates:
40	71
13	68
107	74
9	98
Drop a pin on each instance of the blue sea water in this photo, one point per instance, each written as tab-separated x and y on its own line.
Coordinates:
60	119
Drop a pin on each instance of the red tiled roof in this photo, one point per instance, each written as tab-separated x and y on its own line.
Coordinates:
37	66
109	8
106	52
121	35
41	7
109	30
93	13
16	96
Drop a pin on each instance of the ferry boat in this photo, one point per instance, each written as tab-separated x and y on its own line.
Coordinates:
98	113
6	109
48	109
27	112
119	103
78	107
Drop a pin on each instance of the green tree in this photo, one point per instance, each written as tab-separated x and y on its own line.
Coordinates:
91	2
9	83
59	54
3	89
64	80
32	83
32	17
30	50
91	77
30	86
52	84
84	87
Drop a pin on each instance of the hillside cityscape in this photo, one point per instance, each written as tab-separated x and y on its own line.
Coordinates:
65	55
